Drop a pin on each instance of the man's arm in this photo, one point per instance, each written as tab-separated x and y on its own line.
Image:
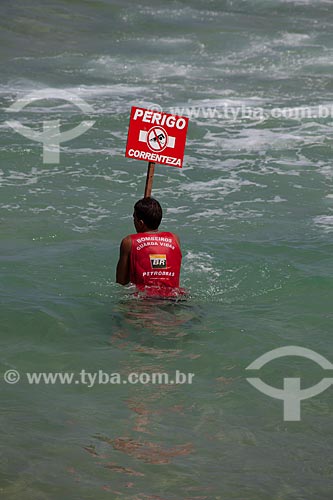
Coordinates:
123	266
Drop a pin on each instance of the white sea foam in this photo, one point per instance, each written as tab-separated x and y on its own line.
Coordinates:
325	222
38	210
151	44
180	14
200	262
324	60
10	206
293	39
177	210
21	86
208	214
326	171
225	102
276	199
106	66
216	188
95	94
308	2
121	89
251	139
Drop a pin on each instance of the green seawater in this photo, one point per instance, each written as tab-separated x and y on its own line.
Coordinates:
253	206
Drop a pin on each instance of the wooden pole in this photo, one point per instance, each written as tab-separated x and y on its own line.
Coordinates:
149	179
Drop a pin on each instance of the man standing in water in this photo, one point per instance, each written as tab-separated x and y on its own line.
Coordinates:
150	259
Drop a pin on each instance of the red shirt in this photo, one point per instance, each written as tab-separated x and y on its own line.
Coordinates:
155	260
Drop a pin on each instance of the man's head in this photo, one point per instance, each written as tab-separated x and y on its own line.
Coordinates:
147	215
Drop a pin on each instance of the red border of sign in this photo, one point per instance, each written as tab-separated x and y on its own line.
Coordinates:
175	130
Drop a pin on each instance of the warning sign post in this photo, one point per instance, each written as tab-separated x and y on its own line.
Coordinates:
149	179
156	137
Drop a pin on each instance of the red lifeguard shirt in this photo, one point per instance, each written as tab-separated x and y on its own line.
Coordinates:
155	260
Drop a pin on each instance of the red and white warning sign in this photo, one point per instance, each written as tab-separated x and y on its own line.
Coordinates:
157	137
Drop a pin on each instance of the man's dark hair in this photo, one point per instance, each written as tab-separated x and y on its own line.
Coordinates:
150	211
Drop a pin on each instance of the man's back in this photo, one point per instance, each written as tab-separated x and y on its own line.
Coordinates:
155	259
150	259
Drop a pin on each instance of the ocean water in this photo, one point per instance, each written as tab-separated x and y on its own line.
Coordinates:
253	206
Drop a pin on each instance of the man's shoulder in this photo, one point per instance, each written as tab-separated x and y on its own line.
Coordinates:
176	238
168	232
173	235
126	242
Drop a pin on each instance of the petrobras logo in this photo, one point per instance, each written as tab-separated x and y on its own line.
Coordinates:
158	261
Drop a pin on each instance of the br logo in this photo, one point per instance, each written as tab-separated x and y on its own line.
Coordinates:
50	137
291	394
158	261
